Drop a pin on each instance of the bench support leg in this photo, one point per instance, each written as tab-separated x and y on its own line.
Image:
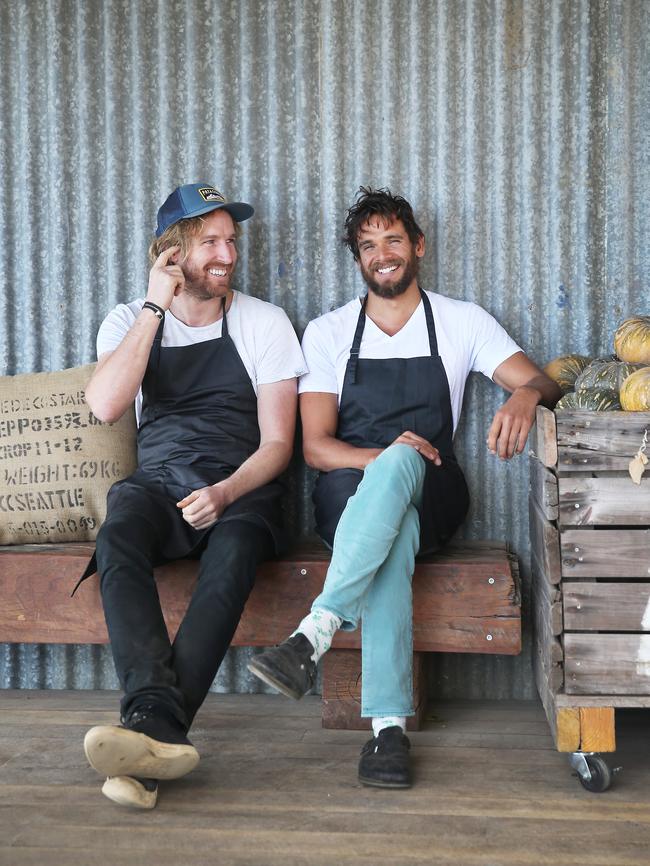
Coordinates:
342	691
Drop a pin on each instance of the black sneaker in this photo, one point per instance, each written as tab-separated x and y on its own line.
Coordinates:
385	760
131	792
149	744
288	667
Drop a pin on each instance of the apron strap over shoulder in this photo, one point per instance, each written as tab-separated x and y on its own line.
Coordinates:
224	322
154	363
431	328
356	342
361	322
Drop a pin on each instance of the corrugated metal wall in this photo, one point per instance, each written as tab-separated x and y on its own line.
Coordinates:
518	130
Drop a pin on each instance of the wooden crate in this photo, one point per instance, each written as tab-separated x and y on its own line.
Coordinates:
590	563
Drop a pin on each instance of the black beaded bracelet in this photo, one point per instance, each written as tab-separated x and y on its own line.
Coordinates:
157	311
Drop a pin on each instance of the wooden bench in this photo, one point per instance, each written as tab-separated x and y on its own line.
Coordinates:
464	600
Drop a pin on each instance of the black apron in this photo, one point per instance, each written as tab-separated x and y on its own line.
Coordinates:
198	425
380	400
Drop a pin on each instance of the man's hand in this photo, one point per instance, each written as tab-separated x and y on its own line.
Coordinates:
205	506
322	450
511	425
166	279
422	446
529	386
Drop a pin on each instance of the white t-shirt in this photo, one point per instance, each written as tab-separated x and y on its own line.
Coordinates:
262	334
469	339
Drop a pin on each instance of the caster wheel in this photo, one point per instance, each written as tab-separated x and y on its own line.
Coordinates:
601	775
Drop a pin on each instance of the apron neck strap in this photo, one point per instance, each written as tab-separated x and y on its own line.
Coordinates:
155	359
157	342
361	322
356	342
224	320
431	328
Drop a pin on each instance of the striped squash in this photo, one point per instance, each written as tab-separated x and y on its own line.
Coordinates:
604	374
566	369
602	400
635	391
632	340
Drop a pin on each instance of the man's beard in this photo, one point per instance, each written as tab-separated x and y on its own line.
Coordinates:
392	290
200	287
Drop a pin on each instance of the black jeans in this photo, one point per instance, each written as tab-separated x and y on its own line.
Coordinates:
151	670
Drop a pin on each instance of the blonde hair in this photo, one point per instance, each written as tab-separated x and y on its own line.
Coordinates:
180	235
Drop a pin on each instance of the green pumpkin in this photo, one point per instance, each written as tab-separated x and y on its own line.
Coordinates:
601	400
566	369
604	374
567	402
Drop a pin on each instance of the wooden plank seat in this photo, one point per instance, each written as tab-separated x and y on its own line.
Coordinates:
465	599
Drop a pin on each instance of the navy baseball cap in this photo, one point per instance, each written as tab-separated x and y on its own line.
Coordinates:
194	199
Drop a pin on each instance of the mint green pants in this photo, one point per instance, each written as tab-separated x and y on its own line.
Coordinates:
369	578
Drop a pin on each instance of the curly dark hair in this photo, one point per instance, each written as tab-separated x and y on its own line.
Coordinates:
383	204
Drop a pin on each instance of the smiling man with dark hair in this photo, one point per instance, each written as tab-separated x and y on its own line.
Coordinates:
379	408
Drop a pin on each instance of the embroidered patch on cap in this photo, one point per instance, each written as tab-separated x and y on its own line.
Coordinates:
209	193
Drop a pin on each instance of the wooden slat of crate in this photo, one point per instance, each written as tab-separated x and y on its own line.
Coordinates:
599	441
547	656
549	599
617	701
543	488
608	500
605	553
548	685
606	606
544	543
547	625
612	664
543	438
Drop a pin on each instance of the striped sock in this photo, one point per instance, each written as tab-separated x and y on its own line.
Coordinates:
319	627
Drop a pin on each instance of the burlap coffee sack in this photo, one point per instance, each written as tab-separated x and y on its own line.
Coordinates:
57	461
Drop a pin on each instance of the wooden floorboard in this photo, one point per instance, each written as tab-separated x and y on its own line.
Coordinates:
275	789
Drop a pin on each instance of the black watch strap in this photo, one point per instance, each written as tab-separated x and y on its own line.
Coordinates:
158	312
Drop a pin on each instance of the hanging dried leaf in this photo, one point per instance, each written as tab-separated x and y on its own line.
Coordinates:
637	467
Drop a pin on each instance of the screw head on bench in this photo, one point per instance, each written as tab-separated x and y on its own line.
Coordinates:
303	571
490	580
488	637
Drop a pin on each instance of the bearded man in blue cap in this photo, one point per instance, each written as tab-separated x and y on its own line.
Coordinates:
213	376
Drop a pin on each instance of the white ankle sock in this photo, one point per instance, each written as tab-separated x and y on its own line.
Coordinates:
319	627
381	722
